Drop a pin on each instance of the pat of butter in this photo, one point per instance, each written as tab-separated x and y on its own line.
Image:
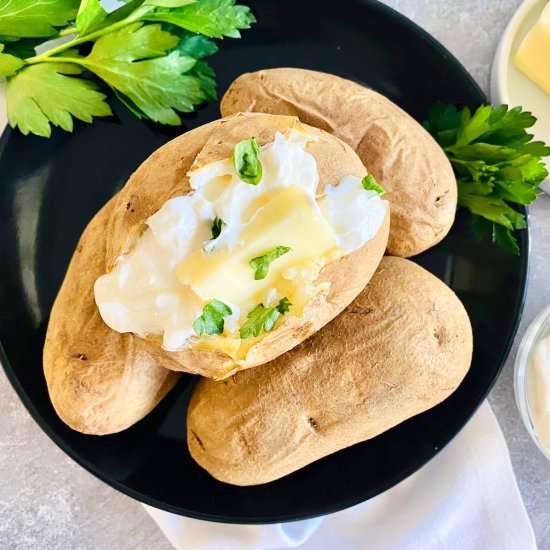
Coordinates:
533	55
290	218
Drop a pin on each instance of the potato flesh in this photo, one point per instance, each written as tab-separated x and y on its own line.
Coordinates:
288	219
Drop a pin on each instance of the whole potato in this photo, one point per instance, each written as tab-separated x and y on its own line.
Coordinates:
402	347
403	157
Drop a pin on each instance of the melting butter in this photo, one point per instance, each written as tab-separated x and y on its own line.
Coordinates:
533	55
162	284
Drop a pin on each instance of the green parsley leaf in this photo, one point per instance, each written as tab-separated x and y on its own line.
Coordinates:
261	263
473	127
130	11
156	70
204	73
504	238
133	62
214	18
246	161
196	45
21	47
217	225
9	64
496	164
41	94
283	306
443	121
27	19
130	105
263	318
90	15
212	319
492	209
370	184
482	227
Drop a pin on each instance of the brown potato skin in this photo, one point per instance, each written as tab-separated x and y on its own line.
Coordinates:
403	157
99	381
401	347
164	175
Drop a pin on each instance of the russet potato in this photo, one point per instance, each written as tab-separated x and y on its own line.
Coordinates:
401	347
398	151
164	175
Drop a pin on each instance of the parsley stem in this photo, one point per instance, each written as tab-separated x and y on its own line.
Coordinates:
67	31
46	56
61	59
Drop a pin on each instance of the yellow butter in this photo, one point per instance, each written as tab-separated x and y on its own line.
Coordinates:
290	218
533	55
228	345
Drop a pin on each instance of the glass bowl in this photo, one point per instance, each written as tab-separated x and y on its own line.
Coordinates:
537	330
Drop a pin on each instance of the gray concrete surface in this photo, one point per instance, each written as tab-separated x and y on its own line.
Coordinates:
48	502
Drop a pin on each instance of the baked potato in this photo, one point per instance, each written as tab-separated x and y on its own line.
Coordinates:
163	259
403	157
99	381
401	347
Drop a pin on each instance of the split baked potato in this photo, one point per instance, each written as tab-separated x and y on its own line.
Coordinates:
108	363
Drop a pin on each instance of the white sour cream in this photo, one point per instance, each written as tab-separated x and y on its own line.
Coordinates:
355	214
538	390
142	293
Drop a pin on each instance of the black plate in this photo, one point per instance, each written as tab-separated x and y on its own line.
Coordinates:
50	188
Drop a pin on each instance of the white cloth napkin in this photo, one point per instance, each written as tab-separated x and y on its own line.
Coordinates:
466	498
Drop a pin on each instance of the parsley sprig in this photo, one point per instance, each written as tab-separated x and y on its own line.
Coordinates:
246	160
212	319
263	318
496	164
261	264
217	226
369	183
149	52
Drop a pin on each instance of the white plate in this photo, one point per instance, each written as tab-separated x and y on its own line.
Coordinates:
510	86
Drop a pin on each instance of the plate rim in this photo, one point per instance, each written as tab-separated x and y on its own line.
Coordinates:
498	76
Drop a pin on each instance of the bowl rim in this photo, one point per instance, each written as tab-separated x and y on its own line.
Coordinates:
536	331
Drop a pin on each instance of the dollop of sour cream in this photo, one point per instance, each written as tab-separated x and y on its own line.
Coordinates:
142	293
354	213
538	390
